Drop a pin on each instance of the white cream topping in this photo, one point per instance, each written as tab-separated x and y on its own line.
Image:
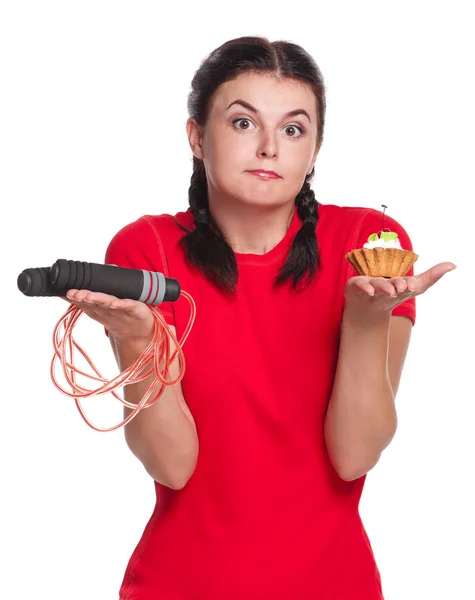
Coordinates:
382	244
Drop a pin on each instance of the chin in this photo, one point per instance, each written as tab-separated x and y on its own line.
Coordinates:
258	194
262	202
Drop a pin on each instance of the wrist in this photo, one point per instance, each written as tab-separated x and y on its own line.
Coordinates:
358	318
128	350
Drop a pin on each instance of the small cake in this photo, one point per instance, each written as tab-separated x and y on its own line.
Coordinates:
382	256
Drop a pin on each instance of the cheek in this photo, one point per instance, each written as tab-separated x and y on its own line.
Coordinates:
230	157
222	149
225	165
303	153
298	164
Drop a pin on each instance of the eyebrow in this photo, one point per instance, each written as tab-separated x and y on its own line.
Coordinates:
292	113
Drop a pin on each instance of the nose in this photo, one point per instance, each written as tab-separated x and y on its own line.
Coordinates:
267	146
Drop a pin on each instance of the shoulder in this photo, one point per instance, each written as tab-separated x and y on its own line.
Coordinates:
139	240
180	222
339	224
147	227
351	215
357	220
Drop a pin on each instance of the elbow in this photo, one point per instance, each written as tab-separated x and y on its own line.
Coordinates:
178	481
352	462
174	481
352	472
353	465
176	476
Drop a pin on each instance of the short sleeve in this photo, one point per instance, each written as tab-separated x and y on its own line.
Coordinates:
139	246
370	222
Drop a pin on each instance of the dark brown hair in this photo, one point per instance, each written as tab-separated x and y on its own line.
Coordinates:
205	248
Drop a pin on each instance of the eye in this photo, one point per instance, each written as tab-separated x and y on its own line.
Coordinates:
291	127
295	128
244	121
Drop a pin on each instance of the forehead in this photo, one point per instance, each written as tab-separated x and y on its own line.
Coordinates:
266	93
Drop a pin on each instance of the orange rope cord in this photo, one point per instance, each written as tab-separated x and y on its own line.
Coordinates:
157	351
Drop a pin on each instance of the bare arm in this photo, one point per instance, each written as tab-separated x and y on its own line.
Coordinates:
163	437
361	419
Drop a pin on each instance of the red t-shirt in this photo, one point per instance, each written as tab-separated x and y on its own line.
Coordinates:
264	516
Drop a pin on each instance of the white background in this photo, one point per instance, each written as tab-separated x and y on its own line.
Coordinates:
93	112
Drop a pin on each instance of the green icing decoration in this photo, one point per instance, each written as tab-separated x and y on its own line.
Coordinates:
373	237
388	236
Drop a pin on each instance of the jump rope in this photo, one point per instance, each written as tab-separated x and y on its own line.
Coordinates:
149	287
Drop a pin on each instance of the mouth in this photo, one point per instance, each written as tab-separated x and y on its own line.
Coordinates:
265	174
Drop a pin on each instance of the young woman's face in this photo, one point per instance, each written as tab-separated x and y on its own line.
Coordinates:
238	139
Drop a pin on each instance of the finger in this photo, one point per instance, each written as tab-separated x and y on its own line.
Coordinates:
93	297
106	301
383	287
127	305
411	284
400	284
89	302
69	297
100	299
428	278
363	286
79	295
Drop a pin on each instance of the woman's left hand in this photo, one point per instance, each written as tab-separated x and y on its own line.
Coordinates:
377	295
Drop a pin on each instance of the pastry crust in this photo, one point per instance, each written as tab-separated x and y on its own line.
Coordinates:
382	262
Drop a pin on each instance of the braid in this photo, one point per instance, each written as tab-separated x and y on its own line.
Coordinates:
205	249
304	255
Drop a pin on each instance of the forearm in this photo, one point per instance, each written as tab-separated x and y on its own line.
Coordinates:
162	436
361	418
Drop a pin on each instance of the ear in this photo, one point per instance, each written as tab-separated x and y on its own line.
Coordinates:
195	137
314	159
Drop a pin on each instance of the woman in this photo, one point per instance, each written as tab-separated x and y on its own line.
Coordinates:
259	458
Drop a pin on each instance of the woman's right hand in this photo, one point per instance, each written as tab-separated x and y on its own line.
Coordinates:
125	319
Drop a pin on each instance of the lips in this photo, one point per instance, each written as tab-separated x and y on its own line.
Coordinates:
265	174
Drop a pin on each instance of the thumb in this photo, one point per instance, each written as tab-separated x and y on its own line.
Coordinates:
432	275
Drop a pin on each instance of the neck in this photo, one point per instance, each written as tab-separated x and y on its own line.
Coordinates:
251	229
